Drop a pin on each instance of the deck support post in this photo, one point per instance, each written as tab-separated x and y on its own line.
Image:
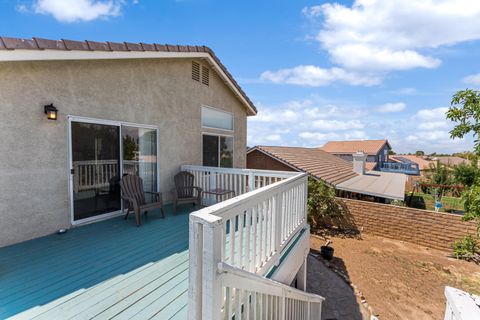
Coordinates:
212	256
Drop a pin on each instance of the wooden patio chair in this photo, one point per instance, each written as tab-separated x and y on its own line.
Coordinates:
132	192
185	191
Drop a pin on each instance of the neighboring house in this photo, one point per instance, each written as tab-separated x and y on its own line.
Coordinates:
422	162
425	163
162	105
78	116
376	150
345	176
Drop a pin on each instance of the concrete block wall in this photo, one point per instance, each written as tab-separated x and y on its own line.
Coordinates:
422	227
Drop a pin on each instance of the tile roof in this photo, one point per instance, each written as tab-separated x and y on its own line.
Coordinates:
317	163
370	147
7	43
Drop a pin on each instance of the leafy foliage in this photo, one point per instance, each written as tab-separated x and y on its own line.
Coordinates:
323	206
439	174
465	248
471	199
419	153
466	174
465	111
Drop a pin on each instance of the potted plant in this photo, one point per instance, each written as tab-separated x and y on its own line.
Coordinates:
327	251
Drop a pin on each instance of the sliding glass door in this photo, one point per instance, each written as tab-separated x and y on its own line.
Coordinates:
101	153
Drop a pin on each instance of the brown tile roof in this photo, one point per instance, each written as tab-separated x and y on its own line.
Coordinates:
370	165
7	43
317	163
370	147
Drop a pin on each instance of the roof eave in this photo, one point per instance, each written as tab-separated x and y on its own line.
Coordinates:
55	55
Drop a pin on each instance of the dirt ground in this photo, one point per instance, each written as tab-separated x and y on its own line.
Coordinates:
400	280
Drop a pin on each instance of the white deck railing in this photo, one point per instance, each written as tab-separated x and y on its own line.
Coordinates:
238	180
235	243
460	305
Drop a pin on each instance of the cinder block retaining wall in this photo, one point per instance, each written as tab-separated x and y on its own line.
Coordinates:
426	228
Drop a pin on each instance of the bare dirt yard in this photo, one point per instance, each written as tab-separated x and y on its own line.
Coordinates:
400	280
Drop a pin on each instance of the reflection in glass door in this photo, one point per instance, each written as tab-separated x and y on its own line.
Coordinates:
95	169
140	155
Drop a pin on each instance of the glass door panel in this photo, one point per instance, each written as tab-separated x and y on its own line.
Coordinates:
95	169
140	155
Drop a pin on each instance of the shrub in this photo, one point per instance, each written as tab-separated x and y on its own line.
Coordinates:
465	248
466	174
323	207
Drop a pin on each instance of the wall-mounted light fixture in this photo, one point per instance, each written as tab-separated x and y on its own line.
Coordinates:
51	112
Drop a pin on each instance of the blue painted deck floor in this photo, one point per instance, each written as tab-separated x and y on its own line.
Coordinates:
106	270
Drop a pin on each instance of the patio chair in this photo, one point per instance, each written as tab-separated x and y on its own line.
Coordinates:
132	192
185	191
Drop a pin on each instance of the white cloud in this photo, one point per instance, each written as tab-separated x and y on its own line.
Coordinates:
273	137
431	114
473	79
378	35
337	125
318	137
433	125
313	76
392	107
78	10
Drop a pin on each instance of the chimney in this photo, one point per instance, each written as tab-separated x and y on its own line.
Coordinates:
359	159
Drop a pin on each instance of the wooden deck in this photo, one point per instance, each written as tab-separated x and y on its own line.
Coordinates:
106	270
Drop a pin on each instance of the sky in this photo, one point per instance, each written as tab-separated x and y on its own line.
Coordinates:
316	70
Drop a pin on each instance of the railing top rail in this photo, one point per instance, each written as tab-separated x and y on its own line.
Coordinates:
250	197
268	285
272	173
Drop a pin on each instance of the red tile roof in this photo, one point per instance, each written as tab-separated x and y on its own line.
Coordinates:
7	43
370	147
317	163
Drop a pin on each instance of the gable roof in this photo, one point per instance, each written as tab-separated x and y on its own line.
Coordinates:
370	147
36	49
317	163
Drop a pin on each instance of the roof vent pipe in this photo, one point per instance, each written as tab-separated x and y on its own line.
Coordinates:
359	159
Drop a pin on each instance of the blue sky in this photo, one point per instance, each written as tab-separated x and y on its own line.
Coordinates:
317	70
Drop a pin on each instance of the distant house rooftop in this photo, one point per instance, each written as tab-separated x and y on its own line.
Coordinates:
370	147
315	162
337	172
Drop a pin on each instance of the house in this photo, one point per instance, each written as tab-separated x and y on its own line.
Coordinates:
78	115
348	178
376	150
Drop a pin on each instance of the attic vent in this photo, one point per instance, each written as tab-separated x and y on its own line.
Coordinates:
195	71
205	75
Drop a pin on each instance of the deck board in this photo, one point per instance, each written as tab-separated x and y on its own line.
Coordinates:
102	270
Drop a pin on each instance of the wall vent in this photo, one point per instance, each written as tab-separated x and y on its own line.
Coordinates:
196	71
205	75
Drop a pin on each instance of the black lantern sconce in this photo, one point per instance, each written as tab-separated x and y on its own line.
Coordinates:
51	112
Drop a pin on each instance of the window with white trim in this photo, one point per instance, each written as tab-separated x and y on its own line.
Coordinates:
214	118
217	151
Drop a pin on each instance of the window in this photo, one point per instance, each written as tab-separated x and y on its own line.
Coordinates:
217	151
213	118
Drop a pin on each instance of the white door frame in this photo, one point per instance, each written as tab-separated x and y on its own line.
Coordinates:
119	124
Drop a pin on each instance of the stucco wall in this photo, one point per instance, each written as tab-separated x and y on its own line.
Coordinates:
34	196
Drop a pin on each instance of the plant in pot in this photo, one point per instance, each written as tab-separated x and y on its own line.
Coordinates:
326	251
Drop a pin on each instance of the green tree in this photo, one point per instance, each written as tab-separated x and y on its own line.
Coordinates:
441	177
419	153
466	174
323	207
465	111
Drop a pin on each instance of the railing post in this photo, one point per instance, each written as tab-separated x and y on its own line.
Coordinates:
251	181
278	226
212	287
195	246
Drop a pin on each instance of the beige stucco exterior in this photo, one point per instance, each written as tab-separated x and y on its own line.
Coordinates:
34	171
